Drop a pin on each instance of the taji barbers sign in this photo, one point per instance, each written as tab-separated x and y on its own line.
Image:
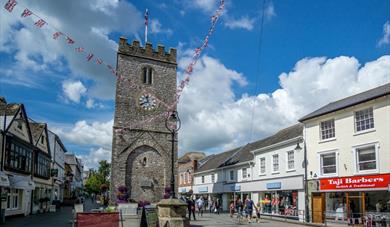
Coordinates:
356	182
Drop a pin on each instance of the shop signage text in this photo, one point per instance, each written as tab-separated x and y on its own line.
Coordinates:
235	187
356	182
274	185
203	189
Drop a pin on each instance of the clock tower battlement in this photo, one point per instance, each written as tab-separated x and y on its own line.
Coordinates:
141	152
135	49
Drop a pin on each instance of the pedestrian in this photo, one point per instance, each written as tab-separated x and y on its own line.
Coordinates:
200	204
217	206
249	208
231	209
211	204
191	208
239	205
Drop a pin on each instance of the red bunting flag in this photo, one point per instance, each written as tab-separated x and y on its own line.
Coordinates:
79	49
9	6
89	57
26	13
99	61
56	35
40	23
69	40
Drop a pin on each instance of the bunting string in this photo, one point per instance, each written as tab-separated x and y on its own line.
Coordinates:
57	34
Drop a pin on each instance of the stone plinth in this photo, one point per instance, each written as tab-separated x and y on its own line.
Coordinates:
172	213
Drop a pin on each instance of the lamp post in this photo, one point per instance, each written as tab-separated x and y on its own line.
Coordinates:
173	124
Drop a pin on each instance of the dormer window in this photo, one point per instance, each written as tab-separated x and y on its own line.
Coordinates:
147	75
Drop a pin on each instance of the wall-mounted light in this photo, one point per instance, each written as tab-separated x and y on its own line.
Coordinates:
298	148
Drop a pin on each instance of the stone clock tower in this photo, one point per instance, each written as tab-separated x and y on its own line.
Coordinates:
141	151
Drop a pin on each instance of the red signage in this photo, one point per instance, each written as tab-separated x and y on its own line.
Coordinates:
356	182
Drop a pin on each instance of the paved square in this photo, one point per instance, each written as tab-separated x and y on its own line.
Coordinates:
215	220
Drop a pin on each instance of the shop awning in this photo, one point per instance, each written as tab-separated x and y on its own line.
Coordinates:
21	182
4	181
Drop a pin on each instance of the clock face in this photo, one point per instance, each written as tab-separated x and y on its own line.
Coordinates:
147	102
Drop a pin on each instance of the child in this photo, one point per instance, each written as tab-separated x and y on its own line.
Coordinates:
231	209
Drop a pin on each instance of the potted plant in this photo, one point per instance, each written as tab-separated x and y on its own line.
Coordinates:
122	194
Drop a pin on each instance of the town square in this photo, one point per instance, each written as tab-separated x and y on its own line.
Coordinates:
192	113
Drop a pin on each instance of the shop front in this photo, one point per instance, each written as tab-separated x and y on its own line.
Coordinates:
350	199
279	196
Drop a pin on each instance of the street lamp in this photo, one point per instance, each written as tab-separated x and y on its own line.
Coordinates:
173	124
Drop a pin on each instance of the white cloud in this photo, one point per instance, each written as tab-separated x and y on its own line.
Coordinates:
269	11
90	103
84	133
156	27
91	160
205	5
386	34
90	25
214	117
244	23
73	90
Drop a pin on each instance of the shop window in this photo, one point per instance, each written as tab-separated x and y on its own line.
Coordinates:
262	165
327	129
275	163
202	179
12	199
231	175
366	158
279	203
328	163
364	120
212	178
290	160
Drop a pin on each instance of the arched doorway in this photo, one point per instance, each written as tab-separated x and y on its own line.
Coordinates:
145	174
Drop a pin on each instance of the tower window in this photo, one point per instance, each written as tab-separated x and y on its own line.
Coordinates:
147	75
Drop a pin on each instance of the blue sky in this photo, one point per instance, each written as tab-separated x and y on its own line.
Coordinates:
325	49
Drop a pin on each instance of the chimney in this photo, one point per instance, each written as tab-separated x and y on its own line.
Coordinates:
195	164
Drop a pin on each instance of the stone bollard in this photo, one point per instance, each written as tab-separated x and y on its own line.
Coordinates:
172	213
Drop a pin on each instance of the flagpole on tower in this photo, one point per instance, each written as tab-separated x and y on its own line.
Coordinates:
146	25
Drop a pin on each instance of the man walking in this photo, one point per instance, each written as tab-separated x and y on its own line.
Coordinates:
249	208
200	204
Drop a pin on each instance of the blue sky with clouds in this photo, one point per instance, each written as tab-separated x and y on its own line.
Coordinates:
322	49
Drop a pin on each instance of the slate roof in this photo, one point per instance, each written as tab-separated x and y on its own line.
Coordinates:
9	109
350	101
189	156
36	130
244	153
70	159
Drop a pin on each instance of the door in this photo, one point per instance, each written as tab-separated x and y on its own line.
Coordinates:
318	204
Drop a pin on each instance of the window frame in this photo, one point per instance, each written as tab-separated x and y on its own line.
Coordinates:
244	176
288	161
262	167
322	139
202	179
231	175
355	156
275	163
213	178
12	196
355	120
336	152
147	75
